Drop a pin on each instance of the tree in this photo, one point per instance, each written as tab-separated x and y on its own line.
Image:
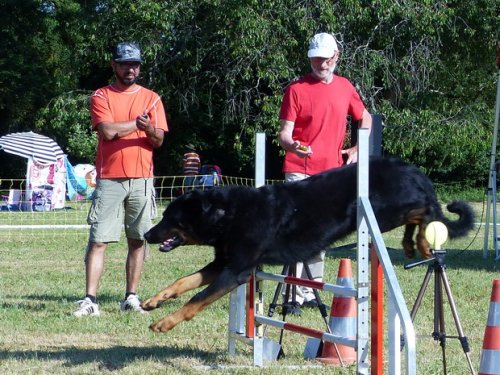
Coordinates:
221	68
37	63
66	118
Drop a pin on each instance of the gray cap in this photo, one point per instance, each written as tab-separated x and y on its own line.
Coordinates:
127	51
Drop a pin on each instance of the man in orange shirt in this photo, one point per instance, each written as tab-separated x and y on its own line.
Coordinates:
130	121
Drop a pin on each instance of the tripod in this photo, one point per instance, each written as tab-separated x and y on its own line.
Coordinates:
290	305
438	267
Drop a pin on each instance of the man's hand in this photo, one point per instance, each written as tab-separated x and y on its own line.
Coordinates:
351	155
143	123
301	150
286	141
155	136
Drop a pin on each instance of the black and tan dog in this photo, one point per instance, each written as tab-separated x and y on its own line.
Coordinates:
289	223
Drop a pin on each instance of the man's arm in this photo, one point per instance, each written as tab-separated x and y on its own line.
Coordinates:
366	121
286	141
352	153
155	136
114	130
103	120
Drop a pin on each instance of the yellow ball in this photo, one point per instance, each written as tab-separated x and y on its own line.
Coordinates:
436	233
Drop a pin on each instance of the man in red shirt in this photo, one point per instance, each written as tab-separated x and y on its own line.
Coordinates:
130	121
313	120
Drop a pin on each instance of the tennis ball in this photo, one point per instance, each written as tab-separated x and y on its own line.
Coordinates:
436	233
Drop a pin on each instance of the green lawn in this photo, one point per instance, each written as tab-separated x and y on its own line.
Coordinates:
42	275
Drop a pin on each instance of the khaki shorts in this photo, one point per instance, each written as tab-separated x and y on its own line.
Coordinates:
117	202
289	177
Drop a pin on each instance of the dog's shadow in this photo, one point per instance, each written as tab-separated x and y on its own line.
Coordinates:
455	258
113	358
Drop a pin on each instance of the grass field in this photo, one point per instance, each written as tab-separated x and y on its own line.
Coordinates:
42	276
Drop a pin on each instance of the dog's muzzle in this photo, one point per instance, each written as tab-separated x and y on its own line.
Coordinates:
171	244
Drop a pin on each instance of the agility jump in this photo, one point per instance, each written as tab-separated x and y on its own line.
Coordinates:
401	195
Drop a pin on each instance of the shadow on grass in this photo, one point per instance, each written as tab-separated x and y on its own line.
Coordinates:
39	302
113	358
102	298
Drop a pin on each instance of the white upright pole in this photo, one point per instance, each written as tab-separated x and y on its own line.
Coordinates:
363	279
237	299
260	180
492	171
260	159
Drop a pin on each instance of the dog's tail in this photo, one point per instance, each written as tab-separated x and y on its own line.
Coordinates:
465	222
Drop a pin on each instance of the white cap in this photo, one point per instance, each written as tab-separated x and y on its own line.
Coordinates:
322	45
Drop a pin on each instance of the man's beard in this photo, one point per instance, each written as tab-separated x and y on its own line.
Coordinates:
320	74
127	82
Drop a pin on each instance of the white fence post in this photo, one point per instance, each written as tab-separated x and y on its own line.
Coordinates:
363	276
237	298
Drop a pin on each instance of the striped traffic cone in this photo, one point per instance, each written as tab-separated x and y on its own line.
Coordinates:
490	355
342	321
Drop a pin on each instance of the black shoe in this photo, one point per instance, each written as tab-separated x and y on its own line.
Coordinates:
312	303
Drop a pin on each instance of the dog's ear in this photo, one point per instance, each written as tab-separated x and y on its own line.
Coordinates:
213	212
191	202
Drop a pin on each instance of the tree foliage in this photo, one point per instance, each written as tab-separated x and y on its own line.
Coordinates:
35	62
221	67
66	118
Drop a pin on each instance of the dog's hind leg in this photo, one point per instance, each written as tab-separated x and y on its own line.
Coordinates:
408	243
224	283
422	243
204	276
413	218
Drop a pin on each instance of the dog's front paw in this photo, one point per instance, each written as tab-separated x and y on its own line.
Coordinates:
150	304
163	325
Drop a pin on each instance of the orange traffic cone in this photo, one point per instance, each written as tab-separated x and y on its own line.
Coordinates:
342	321
490	355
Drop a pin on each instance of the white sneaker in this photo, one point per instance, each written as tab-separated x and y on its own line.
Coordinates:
132	303
86	308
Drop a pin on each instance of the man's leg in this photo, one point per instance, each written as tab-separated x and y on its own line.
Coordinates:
105	218
316	266
140	207
135	264
133	270
94	265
